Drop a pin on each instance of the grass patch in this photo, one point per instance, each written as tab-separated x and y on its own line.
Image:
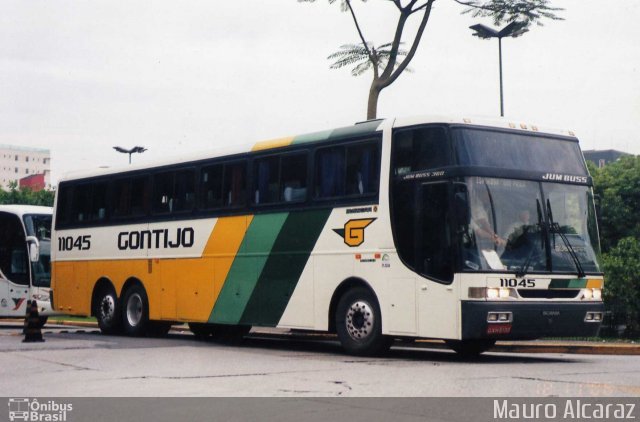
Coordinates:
71	318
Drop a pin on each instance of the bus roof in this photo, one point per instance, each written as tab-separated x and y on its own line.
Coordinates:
359	129
21	210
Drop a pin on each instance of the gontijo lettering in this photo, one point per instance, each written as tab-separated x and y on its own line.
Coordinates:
156	239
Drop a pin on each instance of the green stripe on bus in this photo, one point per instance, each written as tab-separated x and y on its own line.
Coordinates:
312	137
284	267
246	268
576	283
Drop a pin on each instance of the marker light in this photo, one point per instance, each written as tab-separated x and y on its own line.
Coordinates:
597	294
588	294
493	293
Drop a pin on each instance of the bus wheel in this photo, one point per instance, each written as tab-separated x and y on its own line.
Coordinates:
359	323
135	311
470	348
107	311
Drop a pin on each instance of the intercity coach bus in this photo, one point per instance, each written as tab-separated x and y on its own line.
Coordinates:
25	269
465	230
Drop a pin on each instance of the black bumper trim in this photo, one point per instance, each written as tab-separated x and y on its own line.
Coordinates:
531	319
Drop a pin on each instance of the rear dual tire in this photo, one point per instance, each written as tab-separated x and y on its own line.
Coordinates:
130	315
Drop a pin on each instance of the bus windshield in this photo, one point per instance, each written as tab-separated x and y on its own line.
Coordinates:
526	226
39	225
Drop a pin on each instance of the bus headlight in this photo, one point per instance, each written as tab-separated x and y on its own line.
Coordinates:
41	297
491	293
589	294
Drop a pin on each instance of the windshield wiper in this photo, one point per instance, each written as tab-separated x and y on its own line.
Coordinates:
523	269
555	228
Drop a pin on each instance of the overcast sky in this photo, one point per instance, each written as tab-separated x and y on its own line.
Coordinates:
79	77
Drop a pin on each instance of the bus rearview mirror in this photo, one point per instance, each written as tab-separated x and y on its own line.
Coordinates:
34	248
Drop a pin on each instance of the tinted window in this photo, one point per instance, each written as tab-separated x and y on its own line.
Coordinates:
512	150
89	202
347	170
130	197
420	149
211	187
280	179
293	176
173	191
235	184
266	173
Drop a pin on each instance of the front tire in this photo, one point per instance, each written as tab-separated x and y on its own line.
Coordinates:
135	311
107	312
359	323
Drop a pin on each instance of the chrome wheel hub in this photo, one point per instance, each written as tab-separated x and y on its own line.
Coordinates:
134	309
107	309
360	320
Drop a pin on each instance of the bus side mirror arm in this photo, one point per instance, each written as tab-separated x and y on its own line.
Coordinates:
34	248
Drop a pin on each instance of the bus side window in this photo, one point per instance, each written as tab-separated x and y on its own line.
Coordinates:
330	172
14	261
211	187
98	211
121	200
81	204
420	149
293	173
267	179
235	184
362	175
163	193
184	196
139	197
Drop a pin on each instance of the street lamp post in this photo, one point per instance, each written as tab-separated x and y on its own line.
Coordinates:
514	29
130	151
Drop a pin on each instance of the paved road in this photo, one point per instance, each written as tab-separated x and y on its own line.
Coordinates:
82	362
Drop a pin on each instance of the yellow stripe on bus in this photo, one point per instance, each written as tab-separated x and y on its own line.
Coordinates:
273	143
594	284
223	246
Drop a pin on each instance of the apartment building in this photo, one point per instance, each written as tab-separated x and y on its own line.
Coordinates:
18	162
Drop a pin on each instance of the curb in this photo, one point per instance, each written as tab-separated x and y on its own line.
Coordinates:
531	346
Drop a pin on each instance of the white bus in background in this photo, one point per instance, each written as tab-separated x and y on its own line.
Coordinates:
25	269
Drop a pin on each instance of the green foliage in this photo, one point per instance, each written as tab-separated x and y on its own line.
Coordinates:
622	289
25	196
528	11
617	187
358	55
617	190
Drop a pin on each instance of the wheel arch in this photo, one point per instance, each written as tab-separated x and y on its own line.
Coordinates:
345	286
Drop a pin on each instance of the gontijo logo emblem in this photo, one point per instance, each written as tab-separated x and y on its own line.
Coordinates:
353	231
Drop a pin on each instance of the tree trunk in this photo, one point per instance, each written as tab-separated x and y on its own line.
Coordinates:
372	104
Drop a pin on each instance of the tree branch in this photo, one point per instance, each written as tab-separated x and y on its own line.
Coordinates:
414	47
364	41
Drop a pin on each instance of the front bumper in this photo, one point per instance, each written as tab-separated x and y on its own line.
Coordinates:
530	320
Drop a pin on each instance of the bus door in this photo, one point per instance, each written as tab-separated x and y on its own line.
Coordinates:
435	261
14	266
